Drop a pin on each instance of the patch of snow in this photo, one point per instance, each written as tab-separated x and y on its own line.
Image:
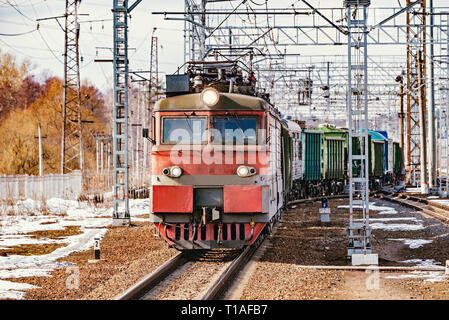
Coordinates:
396	226
377	223
13	290
394	219
423	262
428	276
414	243
21	273
413	190
28	217
374	207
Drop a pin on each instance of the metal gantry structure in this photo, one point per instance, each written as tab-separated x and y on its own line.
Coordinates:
194	30
275	35
121	214
359	230
272	38
72	137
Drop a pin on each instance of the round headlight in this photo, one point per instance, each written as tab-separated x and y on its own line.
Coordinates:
176	171
242	171
210	96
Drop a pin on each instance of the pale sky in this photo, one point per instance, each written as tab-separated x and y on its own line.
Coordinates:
96	34
35	46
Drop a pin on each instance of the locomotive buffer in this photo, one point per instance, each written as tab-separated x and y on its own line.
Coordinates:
359	230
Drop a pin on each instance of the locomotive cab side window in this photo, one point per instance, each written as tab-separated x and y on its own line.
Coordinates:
184	130
235	129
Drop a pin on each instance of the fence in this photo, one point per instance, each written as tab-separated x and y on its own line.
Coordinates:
102	181
67	186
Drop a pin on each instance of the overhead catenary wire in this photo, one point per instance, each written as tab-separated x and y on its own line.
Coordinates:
20	33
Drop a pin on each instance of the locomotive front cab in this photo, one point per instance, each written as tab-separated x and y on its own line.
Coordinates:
210	170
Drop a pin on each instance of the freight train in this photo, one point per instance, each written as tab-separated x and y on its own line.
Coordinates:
224	162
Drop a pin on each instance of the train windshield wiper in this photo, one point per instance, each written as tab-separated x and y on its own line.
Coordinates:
237	120
188	123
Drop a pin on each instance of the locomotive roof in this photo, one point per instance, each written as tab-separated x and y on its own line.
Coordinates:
292	126
227	101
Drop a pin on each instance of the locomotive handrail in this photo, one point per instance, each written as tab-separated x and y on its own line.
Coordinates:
166	234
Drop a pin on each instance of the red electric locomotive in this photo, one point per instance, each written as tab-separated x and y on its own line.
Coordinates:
217	161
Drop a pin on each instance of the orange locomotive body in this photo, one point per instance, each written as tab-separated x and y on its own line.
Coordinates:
216	169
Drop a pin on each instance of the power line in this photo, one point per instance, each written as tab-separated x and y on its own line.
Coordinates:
19	34
46	44
20	12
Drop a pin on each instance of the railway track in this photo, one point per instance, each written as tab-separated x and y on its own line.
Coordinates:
435	210
150	283
225	276
179	265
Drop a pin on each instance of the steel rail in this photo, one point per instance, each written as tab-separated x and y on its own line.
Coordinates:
214	292
423	205
149	282
138	290
217	289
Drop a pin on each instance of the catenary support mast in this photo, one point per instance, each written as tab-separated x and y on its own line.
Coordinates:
359	231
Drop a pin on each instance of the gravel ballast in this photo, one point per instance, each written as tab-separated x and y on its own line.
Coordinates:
302	240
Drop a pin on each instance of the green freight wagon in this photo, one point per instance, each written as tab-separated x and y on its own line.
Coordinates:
398	163
311	154
356	164
334	144
378	154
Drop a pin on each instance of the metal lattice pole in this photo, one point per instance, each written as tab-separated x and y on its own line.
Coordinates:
359	231
72	138
416	38
154	65
444	111
120	115
194	30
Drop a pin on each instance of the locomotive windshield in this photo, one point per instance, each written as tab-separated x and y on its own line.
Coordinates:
184	130
235	130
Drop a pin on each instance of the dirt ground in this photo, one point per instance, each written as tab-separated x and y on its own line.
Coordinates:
130	253
301	239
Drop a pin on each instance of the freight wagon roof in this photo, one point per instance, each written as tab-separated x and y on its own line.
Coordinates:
227	101
327	127
376	136
292	126
384	133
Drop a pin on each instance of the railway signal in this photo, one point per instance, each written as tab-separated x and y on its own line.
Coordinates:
324	202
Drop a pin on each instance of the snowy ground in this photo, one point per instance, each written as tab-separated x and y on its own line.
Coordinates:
394	223
29	215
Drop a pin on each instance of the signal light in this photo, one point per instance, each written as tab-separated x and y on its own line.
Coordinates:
324	202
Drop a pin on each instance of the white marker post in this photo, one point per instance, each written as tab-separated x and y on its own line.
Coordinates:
325	212
97	248
96	252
